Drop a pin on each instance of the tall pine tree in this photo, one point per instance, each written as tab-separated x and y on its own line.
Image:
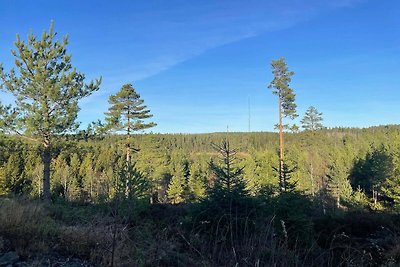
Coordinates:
127	113
47	90
280	86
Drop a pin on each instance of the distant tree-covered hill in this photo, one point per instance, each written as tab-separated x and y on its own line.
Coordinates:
328	161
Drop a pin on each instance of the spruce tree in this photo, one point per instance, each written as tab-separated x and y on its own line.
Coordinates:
175	190
131	184
391	189
280	86
338	184
47	90
87	173
182	172
76	188
391	186
61	175
312	120
13	175
285	185
197	182
229	183
127	113
373	172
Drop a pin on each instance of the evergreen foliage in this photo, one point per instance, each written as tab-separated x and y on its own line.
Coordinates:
47	90
327	160
280	86
127	113
286	184
131	184
312	120
229	182
175	190
338	183
197	183
13	176
373	171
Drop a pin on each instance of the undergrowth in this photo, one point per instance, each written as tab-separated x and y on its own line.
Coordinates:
255	232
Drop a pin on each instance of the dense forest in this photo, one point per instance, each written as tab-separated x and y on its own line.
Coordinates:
346	164
112	195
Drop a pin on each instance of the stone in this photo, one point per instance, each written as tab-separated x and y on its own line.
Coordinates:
9	258
21	264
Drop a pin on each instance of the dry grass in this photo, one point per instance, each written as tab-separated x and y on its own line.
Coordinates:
26	226
162	238
29	230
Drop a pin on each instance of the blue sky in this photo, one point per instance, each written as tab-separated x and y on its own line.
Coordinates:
196	63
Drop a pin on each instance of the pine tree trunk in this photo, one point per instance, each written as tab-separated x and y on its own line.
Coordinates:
281	163
128	155
91	186
128	162
128	152
375	196
312	178
65	188
338	200
39	183
46	170
128	140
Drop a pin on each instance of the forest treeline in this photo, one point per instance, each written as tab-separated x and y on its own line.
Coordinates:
353	167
